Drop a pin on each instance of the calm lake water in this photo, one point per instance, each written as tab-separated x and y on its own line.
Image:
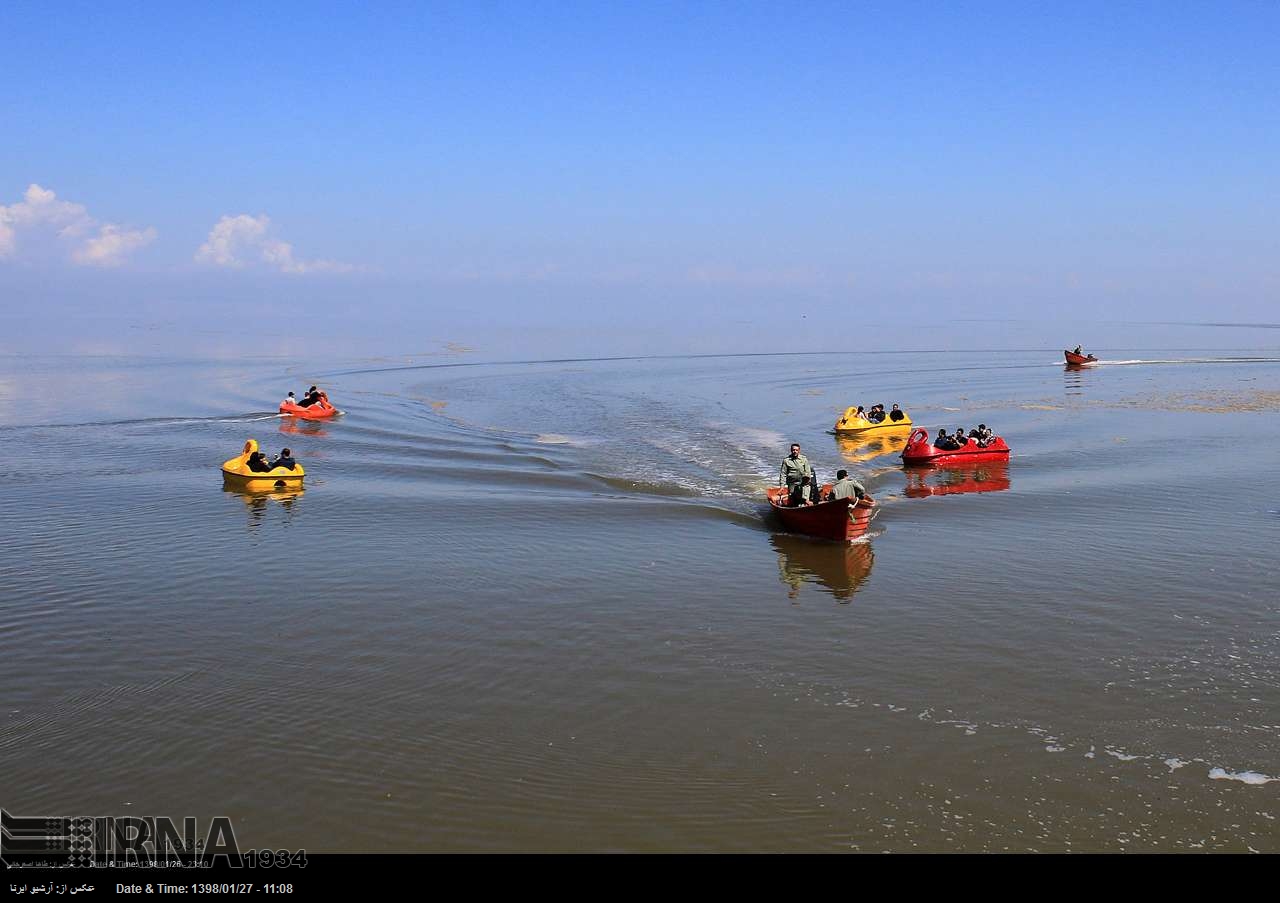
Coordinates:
539	606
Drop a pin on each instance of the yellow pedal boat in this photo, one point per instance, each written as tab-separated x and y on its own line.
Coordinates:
850	422
236	472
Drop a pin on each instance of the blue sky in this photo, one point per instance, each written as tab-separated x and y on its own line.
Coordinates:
660	168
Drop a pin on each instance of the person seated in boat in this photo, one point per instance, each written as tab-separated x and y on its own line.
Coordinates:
982	435
284	459
1079	350
876	414
258	463
944	441
846	488
896	414
962	439
793	473
312	396
290	399
802	493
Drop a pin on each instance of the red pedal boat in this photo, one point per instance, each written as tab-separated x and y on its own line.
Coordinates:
317	411
920	450
1079	360
838	519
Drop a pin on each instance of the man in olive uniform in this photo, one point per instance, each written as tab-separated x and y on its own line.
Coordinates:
795	467
845	487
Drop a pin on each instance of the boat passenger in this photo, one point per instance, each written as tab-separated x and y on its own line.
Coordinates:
795	474
258	463
290	399
896	414
844	487
285	460
944	441
961	439
312	396
1078	350
877	413
801	494
860	414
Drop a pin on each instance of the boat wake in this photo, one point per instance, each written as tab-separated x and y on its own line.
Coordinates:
1188	360
252	417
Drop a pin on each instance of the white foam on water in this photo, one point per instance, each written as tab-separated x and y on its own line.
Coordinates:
1193	360
1244	777
1175	764
552	439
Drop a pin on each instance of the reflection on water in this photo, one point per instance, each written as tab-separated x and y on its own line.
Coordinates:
856	450
1075	378
258	501
956	479
840	569
291	425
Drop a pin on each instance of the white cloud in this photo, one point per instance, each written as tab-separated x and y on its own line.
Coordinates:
238	241
112	245
40	212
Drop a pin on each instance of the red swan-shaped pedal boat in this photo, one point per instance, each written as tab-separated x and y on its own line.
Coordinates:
920	450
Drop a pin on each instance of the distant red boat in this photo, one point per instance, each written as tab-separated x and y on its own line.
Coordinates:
1079	360
317	411
838	519
920	450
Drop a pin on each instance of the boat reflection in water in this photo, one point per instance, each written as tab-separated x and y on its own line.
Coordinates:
259	501
1075	379
990	475
294	426
838	569
856	450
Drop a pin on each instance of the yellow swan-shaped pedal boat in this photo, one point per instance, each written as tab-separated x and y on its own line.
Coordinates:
850	422
236	472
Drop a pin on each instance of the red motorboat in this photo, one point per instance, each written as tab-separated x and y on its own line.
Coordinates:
920	450
958	477
317	411
838	519
1074	359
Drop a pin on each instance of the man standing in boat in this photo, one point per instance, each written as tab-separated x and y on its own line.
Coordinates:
795	468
